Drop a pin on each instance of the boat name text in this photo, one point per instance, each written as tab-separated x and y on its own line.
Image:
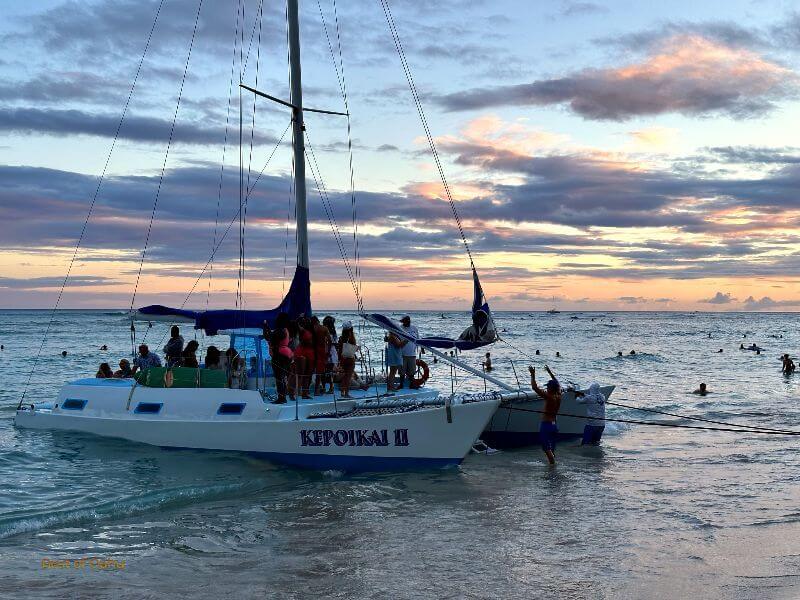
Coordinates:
352	437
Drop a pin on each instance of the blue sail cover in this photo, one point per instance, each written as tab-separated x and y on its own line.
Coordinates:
481	333
296	302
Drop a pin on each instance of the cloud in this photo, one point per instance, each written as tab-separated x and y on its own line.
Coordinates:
767	303
654	138
686	74
39	283
632	300
755	155
531	297
60	122
575	8
719	298
727	33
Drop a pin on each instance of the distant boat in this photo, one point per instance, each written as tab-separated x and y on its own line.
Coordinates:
554	310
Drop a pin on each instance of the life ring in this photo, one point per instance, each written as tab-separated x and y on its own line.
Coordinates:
169	379
423	372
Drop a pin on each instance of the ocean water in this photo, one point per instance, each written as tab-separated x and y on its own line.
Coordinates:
653	513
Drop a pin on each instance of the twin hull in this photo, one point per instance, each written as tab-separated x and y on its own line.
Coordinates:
194	418
516	424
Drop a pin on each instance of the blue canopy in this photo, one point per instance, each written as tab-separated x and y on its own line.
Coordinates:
481	333
297	302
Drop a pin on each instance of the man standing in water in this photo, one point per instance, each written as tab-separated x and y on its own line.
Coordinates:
548	430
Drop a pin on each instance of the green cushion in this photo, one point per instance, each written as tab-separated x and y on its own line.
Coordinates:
183	377
213	378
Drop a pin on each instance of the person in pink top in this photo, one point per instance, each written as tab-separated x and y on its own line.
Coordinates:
281	355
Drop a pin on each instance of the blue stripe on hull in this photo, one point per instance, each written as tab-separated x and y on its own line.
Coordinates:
356	464
520	439
349	464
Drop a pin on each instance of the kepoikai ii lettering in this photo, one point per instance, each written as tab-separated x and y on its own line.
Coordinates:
352	437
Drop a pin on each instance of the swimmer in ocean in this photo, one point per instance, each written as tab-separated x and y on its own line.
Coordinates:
702	390
632	353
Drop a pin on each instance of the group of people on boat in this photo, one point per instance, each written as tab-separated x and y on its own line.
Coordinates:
178	354
306	350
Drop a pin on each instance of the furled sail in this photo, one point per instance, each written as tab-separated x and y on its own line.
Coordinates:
296	302
481	333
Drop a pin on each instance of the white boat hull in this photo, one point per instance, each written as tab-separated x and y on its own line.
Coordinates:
189	418
516	424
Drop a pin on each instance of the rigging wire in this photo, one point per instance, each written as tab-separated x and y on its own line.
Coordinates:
241	168
250	157
340	77
286	239
323	194
224	146
700	419
387	11
736	429
166	154
94	200
228	228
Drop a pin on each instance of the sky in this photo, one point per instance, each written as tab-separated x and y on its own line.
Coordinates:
602	156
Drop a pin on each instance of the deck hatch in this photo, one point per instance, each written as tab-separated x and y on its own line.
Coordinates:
230	408
148	408
73	404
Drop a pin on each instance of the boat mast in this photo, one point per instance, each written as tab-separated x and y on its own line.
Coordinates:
298	128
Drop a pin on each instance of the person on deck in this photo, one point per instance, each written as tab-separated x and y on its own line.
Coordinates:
174	347
394	359
124	371
409	352
212	360
304	356
145	360
333	357
322	344
189	356
347	349
595	403
238	373
548	430
281	355
105	372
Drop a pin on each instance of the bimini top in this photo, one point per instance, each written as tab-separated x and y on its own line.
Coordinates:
481	333
297	302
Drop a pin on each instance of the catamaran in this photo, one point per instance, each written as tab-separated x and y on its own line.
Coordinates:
199	408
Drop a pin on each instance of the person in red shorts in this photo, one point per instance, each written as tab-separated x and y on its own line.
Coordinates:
322	345
304	356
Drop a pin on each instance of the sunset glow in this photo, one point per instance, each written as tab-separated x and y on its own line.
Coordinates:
649	165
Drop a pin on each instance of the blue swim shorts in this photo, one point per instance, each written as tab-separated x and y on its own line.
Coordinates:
592	435
547	435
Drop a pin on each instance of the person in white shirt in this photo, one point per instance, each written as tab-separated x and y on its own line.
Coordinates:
409	353
595	403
